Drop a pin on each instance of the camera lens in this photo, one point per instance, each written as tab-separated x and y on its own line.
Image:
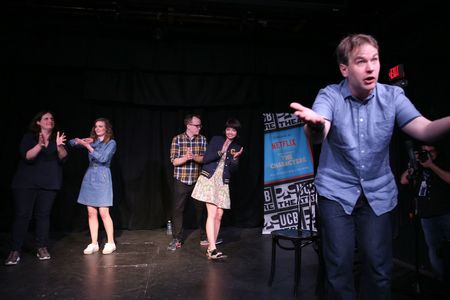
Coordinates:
423	156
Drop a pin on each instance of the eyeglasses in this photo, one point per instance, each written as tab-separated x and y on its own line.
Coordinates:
197	125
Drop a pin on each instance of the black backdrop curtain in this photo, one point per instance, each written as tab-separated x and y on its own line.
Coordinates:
147	85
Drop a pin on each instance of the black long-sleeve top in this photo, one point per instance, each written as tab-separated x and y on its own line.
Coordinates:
42	172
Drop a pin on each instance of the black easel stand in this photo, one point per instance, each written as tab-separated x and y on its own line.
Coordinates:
414	215
445	255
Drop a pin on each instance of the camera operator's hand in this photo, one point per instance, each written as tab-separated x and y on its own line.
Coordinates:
408	175
426	158
426	163
443	174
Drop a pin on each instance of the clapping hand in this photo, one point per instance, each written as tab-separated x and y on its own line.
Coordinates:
189	155
88	140
82	142
225	146
41	140
60	139
237	154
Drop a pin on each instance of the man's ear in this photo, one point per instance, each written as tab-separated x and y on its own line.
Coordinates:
344	70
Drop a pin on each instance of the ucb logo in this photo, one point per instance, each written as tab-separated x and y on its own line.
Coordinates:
289	219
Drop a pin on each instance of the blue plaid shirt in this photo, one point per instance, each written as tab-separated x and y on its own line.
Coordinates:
355	155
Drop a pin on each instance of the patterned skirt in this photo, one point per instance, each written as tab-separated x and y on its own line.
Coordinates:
213	190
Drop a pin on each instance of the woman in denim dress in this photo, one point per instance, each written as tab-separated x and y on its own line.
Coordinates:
96	189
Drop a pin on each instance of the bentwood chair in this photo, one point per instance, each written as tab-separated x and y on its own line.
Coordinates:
297	239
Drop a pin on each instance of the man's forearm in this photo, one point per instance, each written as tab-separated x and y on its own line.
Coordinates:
315	132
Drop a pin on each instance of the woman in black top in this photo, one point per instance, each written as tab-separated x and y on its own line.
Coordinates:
36	183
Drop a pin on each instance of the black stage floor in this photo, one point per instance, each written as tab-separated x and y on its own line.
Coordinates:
142	268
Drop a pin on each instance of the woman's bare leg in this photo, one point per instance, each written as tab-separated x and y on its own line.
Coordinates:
108	223
93	223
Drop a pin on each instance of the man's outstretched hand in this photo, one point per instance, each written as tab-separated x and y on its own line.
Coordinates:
307	115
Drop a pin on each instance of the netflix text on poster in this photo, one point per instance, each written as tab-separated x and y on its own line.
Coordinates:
287	156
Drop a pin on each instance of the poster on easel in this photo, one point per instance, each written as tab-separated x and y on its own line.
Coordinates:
289	187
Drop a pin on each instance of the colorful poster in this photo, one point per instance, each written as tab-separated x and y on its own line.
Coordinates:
289	191
287	156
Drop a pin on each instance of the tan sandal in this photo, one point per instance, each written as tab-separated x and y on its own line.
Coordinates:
214	254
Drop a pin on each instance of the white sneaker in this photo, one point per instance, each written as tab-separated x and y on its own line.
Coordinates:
91	248
109	248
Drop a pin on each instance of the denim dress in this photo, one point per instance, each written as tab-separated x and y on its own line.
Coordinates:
96	188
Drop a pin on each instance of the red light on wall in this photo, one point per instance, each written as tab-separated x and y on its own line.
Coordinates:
396	73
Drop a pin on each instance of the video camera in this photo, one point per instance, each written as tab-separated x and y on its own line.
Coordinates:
423	155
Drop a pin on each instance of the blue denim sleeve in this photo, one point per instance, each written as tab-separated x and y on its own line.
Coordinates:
106	154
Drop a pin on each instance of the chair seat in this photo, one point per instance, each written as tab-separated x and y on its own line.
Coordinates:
292	234
297	237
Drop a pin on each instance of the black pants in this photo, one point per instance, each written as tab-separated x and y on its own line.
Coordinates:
181	194
25	201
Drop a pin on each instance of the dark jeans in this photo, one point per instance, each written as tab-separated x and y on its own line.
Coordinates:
436	230
181	194
25	200
371	235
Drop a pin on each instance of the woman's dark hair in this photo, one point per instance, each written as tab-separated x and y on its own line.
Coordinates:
233	123
36	129
109	134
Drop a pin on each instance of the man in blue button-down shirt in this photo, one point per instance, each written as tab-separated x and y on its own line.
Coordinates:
354	120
